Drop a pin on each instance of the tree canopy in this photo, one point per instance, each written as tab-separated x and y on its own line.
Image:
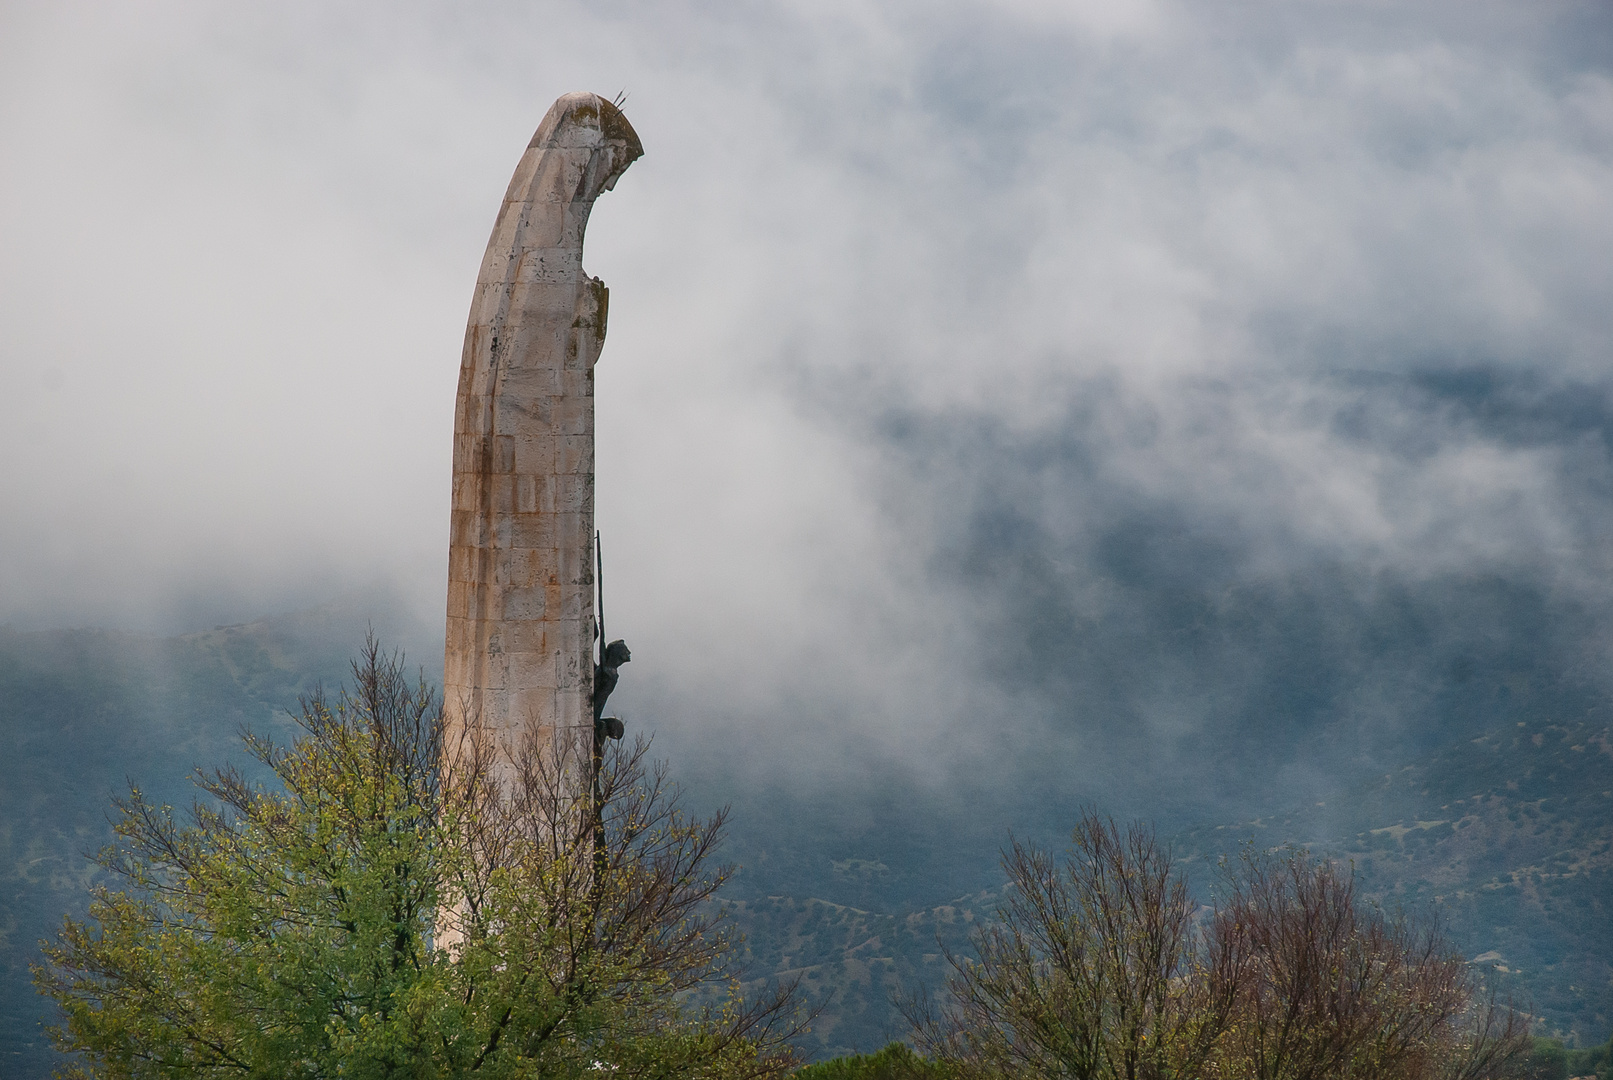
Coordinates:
1100	966
398	907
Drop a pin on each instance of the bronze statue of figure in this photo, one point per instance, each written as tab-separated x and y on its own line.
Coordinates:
606	675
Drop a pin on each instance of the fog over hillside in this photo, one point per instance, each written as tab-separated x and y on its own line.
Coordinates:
1006	406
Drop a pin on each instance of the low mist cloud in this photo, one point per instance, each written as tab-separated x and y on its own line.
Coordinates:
1057	395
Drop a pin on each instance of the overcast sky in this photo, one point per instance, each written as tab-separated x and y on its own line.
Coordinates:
975	371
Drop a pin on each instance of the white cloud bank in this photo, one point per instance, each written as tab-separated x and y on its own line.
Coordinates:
1168	248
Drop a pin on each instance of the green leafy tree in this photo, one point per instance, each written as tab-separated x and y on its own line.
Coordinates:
1547	1060
896	1061
288	931
1591	1061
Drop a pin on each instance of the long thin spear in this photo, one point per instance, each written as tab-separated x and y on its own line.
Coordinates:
599	733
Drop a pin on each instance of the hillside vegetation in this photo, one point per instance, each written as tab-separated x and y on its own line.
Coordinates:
1510	834
1509	830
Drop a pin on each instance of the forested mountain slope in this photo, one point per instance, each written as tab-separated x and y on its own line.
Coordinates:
1509	831
83	713
1509	835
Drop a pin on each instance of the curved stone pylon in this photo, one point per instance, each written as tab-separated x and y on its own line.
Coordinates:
519	654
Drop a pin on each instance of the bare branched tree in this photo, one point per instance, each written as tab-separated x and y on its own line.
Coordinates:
1099	966
1333	988
1093	968
619	904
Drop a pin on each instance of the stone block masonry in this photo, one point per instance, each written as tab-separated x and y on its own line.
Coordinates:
520	571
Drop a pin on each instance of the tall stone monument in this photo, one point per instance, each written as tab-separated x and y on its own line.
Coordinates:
520	570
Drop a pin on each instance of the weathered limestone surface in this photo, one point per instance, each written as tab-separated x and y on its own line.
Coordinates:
520	573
